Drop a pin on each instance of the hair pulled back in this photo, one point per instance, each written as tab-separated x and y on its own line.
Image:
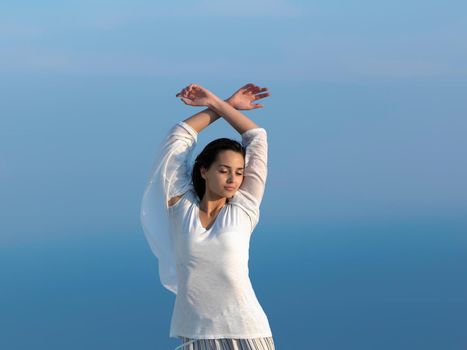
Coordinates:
208	156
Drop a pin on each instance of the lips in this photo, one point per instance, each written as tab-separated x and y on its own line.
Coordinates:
229	188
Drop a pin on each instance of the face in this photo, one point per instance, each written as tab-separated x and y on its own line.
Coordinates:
226	171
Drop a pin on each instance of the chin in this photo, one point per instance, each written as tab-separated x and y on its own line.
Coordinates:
229	194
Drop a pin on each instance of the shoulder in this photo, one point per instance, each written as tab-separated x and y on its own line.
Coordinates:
241	200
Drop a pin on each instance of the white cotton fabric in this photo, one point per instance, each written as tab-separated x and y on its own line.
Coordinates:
207	269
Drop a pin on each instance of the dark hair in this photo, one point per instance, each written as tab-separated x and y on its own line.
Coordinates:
208	156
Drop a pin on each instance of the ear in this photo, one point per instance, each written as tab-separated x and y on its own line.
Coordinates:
202	171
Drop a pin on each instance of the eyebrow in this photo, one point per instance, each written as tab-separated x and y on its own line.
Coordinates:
229	167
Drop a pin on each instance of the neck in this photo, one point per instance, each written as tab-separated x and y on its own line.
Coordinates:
212	205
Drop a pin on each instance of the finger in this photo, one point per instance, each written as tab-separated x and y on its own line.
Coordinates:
249	86
183	91
244	88
258	105
250	89
256	89
262	95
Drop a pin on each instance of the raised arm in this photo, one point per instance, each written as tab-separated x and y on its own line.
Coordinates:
242	99
174	174
256	165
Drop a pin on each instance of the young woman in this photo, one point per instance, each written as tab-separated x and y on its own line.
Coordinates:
198	219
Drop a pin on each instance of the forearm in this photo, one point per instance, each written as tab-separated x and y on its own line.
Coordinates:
203	119
234	117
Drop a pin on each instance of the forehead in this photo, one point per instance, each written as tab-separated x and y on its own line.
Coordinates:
230	158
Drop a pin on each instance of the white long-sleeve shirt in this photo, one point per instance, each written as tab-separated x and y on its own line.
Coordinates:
207	269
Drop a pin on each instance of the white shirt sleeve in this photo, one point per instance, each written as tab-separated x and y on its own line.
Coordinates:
250	193
176	164
170	176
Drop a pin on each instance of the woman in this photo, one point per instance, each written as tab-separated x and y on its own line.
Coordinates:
198	220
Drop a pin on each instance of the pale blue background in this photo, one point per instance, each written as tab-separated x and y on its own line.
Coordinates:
362	242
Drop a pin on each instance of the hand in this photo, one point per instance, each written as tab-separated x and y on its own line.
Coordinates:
196	95
243	98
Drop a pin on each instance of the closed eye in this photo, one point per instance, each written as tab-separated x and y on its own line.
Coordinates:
223	172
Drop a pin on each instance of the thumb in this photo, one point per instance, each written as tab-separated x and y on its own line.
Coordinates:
258	105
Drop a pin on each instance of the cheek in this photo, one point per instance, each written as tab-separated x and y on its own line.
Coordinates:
220	179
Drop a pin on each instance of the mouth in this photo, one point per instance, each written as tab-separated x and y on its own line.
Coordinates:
229	188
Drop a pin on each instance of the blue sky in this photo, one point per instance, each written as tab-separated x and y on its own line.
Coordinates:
366	124
366	116
367	96
317	40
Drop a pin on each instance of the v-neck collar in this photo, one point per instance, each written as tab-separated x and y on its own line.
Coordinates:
198	219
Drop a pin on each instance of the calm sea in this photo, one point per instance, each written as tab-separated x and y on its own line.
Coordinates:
324	287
